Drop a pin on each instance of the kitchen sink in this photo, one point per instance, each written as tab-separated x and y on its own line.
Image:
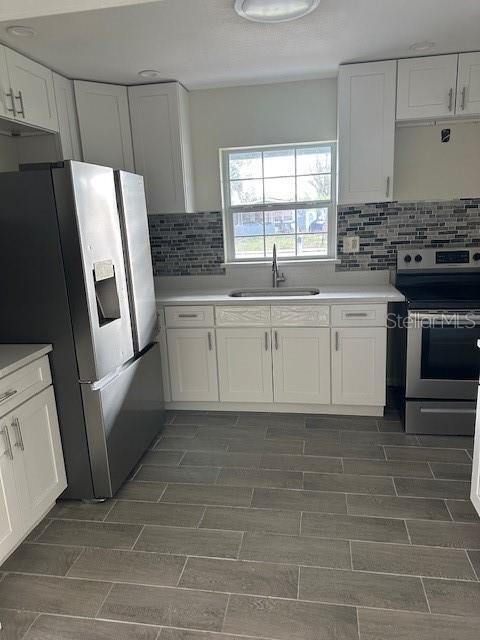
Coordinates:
280	292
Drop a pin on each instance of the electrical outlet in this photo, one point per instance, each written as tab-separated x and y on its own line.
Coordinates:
351	244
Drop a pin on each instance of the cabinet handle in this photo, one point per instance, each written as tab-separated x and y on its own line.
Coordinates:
188	315
210	343
266	340
356	314
276	340
450	100
387	190
21	112
464	97
6	435
12	109
337	341
18	430
8	394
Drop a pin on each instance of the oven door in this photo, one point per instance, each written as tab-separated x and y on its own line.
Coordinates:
442	355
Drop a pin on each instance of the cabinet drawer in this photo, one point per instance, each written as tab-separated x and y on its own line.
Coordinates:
189	316
252	316
359	315
300	315
24	383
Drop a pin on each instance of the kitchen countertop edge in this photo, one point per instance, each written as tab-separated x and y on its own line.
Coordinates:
16	356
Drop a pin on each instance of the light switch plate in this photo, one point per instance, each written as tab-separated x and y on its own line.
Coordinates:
351	244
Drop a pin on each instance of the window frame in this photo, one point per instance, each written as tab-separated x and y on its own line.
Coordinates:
228	210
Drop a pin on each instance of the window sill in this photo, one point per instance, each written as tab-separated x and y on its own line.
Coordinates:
283	263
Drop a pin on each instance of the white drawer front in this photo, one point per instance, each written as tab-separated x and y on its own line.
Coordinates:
359	315
189	316
242	316
24	383
300	316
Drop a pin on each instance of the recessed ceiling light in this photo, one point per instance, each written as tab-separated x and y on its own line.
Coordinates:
425	45
149	73
274	10
20	31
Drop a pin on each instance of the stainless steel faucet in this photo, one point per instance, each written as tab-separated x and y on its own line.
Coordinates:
277	277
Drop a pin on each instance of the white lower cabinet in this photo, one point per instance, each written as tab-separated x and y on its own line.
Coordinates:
9	501
359	365
475	488
193	364
244	365
301	365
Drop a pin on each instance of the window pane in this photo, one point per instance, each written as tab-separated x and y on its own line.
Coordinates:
280	190
312	244
246	192
285	245
245	164
277	222
312	220
280	162
314	160
248	223
314	188
249	247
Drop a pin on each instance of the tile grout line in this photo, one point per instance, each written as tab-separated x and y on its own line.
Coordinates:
471	564
222	626
137	538
104	600
425	593
182	571
82	552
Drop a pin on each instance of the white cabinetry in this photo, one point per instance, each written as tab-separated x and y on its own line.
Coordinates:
244	365
161	142
468	84
104	122
426	87
301	365
32	472
6	106
366	131
359	365
475	489
67	118
193	364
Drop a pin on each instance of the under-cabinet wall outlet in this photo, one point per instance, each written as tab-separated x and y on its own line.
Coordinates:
351	244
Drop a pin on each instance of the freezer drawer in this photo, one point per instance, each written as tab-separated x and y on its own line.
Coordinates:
123	415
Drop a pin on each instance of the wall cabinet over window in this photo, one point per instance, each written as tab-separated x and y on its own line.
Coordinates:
104	122
162	146
366	132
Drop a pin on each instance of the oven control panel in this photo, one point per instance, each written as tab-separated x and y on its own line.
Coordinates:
438	259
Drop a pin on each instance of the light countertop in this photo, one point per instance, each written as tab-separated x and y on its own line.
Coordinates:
329	294
16	356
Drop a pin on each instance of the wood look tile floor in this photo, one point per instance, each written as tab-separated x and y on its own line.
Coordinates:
261	526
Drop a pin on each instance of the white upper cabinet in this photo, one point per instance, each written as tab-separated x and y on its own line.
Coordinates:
104	122
67	118
366	131
161	142
426	87
27	91
468	84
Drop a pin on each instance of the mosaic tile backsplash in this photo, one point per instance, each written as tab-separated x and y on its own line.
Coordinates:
192	243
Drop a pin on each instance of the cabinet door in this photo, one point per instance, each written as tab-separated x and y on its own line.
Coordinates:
67	118
301	365
36	436
193	364
32	85
426	87
10	524
359	366
366	132
104	122
468	84
161	142
245	365
6	106
475	489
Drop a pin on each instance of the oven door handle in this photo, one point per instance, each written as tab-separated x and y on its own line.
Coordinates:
458	319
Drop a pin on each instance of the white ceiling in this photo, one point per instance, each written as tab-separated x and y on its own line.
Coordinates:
16	9
203	43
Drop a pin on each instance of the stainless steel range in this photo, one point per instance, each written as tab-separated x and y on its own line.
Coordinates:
442	320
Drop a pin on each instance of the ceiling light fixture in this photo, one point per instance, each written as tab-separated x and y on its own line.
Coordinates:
149	73
425	45
20	31
274	10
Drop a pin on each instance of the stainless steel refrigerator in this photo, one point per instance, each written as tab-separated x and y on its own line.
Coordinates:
75	271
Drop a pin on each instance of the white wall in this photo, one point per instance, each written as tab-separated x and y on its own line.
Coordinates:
427	169
255	115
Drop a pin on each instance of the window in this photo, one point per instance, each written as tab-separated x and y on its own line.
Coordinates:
283	195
